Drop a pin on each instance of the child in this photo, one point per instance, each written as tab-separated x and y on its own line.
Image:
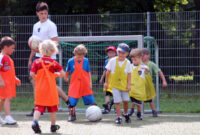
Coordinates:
46	94
81	82
111	52
8	80
150	90
119	68
138	91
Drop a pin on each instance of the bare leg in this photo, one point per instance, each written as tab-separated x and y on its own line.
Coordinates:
7	106
53	118
133	105
118	109
1	104
107	99
139	108
152	106
62	94
125	104
36	115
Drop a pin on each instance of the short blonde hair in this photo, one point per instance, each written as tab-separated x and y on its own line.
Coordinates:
136	53
80	50
48	47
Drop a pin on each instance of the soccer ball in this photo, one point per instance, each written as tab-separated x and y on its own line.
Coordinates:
34	42
93	113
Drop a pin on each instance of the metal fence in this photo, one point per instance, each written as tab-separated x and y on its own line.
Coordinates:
177	35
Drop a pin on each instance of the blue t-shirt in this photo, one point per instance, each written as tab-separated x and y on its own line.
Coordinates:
71	64
106	62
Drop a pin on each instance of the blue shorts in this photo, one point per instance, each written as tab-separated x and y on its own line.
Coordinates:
89	99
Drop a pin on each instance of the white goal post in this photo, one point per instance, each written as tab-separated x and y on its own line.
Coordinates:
85	39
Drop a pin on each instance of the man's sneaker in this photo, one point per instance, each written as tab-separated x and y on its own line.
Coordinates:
9	120
2	121
111	104
127	118
72	118
154	114
36	128
105	111
54	128
130	113
139	116
118	120
30	114
106	106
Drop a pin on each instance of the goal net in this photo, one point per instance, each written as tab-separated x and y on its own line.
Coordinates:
96	46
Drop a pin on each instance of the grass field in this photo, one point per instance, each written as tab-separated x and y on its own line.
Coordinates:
165	124
169	104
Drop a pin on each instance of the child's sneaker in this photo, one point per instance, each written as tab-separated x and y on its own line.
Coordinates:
71	118
2	121
54	128
127	118
9	120
130	113
105	111
139	116
118	120
154	113
36	128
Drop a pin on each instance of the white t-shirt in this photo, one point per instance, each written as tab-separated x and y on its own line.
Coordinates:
45	30
141	70
112	64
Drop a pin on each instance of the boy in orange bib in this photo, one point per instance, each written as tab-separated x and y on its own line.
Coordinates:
46	94
8	80
81	83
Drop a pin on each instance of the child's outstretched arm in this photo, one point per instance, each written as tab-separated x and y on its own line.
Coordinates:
2	84
162	76
129	82
102	77
106	81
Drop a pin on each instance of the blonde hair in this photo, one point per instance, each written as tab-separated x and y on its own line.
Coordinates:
48	47
80	50
136	53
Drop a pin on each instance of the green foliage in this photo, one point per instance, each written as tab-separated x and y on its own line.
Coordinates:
24	7
169	5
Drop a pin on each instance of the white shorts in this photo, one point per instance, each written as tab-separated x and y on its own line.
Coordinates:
120	96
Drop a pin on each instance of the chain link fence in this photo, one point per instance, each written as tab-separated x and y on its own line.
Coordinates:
176	33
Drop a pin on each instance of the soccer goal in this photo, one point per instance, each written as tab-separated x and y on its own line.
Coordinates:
96	46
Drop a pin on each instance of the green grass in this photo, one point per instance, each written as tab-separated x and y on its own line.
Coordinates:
169	104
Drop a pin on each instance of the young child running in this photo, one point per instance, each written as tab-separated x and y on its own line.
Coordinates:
138	91
119	68
8	80
81	82
111	52
150	90
46	94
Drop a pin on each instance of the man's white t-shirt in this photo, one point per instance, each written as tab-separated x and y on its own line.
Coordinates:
112	64
45	31
141	70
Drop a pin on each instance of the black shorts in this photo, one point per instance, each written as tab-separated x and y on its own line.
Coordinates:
135	101
148	101
109	93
